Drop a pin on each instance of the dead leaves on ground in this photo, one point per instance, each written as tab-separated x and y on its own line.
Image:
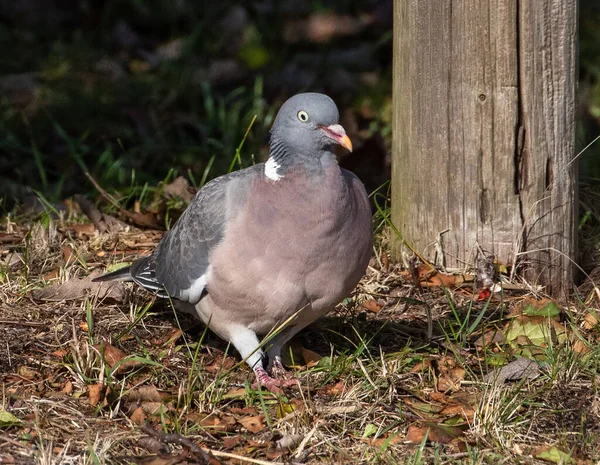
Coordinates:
80	288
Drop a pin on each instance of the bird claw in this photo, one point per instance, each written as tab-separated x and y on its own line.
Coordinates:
278	371
273	385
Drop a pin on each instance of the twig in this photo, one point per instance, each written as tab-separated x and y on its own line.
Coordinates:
91	212
23	323
174	438
104	194
138	218
241	458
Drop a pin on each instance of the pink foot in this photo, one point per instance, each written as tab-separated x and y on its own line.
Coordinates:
272	384
278	371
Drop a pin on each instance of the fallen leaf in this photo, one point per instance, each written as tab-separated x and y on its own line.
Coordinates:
451	380
529	335
68	253
442	434
76	289
146	394
169	339
253	424
52	275
113	356
543	307
26	372
230	442
284	409
590	320
7	419
371	305
439	397
95	393
384	442
421	366
154	408
235	393
517	369
289	441
67	388
311	358
464	411
152	445
220	365
335	390
138	416
491	337
178	188
553	454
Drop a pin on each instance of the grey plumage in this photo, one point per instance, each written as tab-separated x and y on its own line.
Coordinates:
287	238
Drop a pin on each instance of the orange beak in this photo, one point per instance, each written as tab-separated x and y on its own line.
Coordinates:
338	134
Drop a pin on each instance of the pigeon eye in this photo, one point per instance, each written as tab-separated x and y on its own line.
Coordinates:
303	116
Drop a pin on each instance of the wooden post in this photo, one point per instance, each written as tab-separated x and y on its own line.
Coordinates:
484	132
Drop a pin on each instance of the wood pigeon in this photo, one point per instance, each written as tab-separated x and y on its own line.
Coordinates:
279	243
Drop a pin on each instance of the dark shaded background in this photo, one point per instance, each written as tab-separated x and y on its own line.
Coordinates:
129	89
136	90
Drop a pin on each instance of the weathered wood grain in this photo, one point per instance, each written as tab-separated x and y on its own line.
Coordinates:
484	102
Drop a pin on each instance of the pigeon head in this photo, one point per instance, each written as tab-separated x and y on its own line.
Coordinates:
306	127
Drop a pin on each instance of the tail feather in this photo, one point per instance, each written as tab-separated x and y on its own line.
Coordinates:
122	274
141	272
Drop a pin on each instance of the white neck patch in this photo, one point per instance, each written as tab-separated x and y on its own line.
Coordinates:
272	170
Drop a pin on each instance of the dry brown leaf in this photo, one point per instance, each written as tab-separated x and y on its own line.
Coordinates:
112	355
95	393
337	389
289	441
230	442
435	433
169	339
68	253
491	337
253	424
310	358
146	394
421	366
463	410
243	410
391	439
590	320
163	460
76	289
439	397
52	274
82	230
521	368
371	305
220	365
153	408
580	346
26	372
235	393
178	188
153	445
67	388
211	421
138	416
451	380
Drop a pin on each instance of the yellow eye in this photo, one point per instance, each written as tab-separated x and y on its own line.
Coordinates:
303	116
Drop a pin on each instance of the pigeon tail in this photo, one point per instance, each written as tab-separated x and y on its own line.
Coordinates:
122	274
